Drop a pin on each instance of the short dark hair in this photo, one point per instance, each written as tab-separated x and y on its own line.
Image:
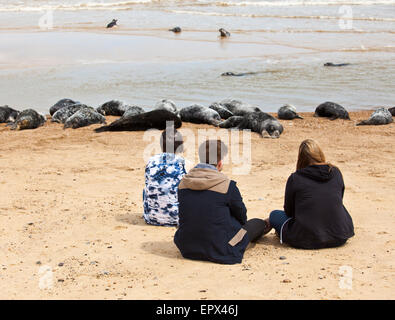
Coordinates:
212	151
171	141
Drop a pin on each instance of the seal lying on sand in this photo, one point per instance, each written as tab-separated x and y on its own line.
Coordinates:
166	105
113	108
222	111
330	64
197	113
61	104
8	114
84	117
239	74
28	119
260	122
112	23
288	112
132	111
223	33
63	114
155	119
238	108
380	116
175	30
331	110
392	111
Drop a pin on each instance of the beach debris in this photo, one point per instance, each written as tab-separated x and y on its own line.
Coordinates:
112	23
60	264
282	258
286	281
38	262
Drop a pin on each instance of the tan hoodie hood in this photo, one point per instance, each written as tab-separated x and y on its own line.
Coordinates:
205	179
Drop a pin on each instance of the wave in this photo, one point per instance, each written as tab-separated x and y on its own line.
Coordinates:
299	3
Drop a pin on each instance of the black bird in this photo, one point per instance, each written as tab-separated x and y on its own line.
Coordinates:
224	33
176	30
112	23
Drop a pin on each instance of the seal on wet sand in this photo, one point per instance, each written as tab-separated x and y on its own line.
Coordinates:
155	119
378	117
8	114
332	111
197	113
288	112
28	119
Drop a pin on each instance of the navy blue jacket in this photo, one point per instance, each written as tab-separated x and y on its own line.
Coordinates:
211	214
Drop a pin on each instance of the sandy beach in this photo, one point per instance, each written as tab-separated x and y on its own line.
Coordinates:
71	203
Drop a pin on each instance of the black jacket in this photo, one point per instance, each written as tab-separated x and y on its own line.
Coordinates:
314	199
211	214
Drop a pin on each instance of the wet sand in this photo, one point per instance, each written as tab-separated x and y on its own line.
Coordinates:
73	197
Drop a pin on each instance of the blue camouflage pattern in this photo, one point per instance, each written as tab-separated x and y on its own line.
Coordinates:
163	174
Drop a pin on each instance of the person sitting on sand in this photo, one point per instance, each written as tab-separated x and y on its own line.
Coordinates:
314	216
163	173
213	218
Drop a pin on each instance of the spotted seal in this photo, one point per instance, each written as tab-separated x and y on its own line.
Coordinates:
155	119
8	114
28	119
260	122
84	117
332	111
61	104
378	117
197	113
288	112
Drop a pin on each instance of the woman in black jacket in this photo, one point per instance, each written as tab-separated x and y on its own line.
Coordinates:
314	216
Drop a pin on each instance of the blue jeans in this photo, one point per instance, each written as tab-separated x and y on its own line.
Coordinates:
277	218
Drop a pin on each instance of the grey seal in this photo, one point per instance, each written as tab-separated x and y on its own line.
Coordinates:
113	108
224	33
63	114
175	30
8	114
84	117
168	105
331	110
197	113
132	111
112	23
61	104
222	111
155	119
28	119
330	64
392	111
238	108
378	117
288	112
260	122
240	74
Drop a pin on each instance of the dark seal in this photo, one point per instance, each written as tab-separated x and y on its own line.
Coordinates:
155	119
28	119
61	104
175	30
392	111
224	33
8	114
112	23
288	112
332	111
330	64
222	111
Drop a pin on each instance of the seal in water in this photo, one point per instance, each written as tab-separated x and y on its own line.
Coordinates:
378	117
28	119
332	111
224	33
61	104
330	64
84	117
392	111
8	114
238	108
113	108
288	112
239	74
260	122
112	23
197	113
155	119
175	30
222	111
167	105
63	114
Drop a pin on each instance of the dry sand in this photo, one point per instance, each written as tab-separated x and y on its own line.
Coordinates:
73	197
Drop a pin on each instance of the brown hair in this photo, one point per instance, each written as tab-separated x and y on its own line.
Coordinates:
310	153
171	141
212	151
